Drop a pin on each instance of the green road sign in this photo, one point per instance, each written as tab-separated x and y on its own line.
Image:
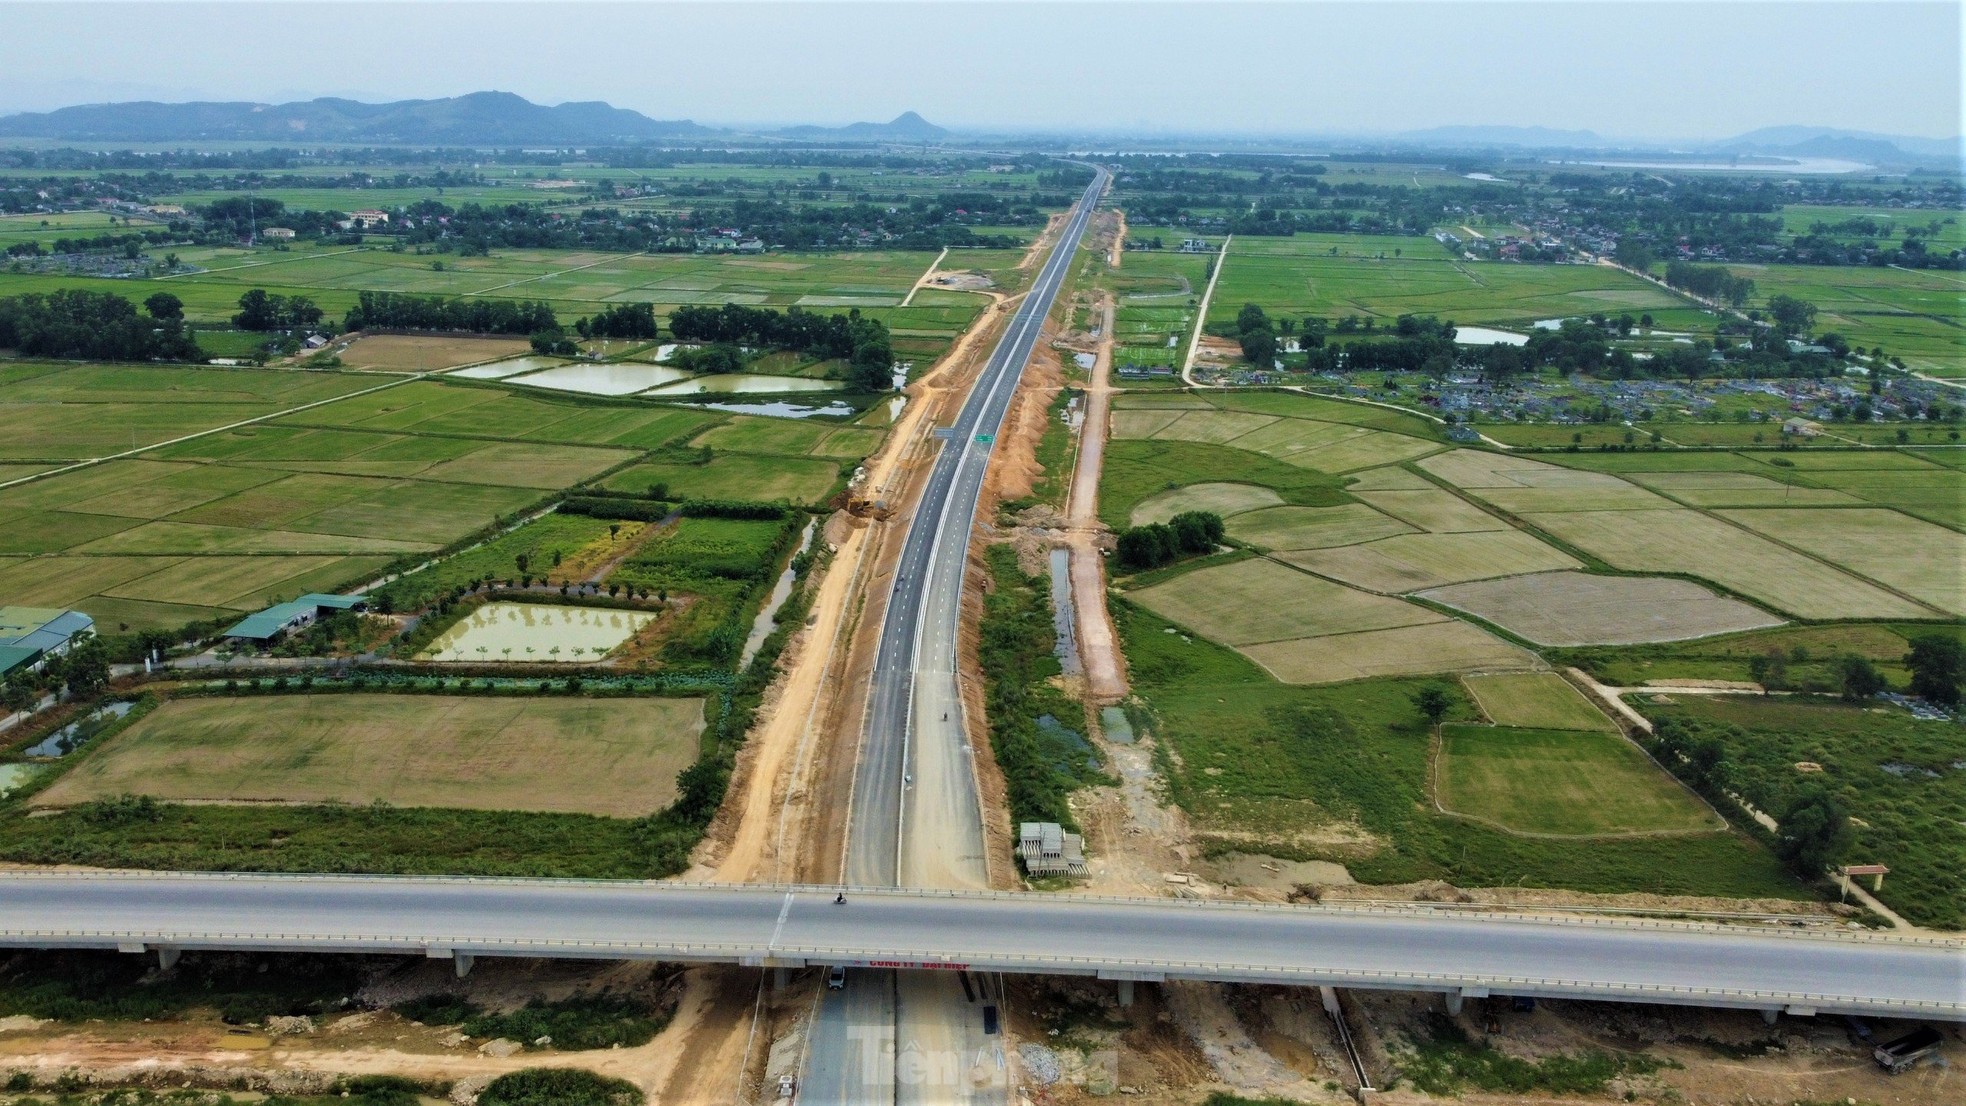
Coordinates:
985	439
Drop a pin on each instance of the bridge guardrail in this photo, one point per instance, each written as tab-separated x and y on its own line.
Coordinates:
1038	900
1205	969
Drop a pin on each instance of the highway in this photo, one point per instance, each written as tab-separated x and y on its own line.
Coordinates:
1407	949
916	817
905	733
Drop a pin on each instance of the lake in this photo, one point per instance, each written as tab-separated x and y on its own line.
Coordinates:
536	633
511	366
741	384
1487	336
611	378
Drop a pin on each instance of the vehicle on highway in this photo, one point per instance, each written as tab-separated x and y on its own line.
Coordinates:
836	979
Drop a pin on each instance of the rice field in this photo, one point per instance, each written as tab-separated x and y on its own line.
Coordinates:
1423	650
1331	276
1410	562
316	500
1562	782
1574	608
1536	700
614	757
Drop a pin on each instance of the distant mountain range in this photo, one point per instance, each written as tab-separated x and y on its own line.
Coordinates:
1819	142
476	119
506	119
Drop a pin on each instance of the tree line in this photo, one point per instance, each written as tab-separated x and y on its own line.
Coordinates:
1188	534
862	342
1710	282
483	315
96	326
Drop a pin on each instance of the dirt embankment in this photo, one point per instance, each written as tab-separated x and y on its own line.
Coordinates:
784	816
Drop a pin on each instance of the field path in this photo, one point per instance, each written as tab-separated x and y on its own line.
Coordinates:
923	279
1201	316
1099	651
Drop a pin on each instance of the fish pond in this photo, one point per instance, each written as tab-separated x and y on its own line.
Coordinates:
536	633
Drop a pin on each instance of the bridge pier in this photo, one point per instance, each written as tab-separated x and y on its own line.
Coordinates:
460	961
167	956
780	978
1126	980
1771	1014
1455	997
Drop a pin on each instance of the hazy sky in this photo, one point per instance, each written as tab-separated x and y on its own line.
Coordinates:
1658	70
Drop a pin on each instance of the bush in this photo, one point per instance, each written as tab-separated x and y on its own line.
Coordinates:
559	1087
573	1024
598	506
734	508
1189	534
382	1090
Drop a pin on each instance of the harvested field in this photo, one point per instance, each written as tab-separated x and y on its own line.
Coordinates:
614	757
1917	558
426	353
1700	545
1259	600
1561	782
1423	650
1434	510
1537	700
1738	489
1388	478
1472	468
1179	401
1409	562
1573	608
1216	427
1313	527
1224	499
1142	424
1621	497
1368	450
1288	437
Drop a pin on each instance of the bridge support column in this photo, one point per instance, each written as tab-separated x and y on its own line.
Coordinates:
1454	1003
1455	997
1771	1014
167	957
461	962
1126	992
780	978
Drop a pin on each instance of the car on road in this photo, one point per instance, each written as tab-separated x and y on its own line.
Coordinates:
836	979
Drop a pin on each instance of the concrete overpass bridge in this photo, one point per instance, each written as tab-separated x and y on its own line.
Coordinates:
1128	940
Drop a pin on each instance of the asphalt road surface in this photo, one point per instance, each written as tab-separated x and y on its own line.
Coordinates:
905	733
1409	949
916	819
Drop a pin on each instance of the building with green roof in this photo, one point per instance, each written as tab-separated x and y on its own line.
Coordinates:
29	635
282	618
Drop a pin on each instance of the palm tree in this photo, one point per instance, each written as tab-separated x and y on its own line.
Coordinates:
507	651
554	652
